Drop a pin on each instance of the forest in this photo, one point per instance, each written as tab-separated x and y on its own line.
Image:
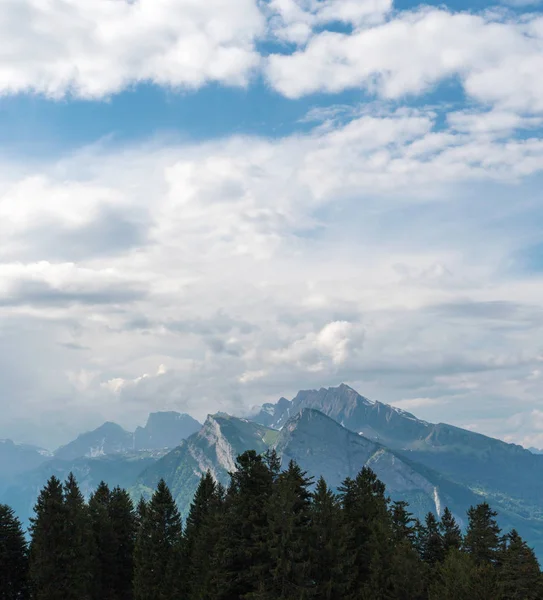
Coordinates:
271	534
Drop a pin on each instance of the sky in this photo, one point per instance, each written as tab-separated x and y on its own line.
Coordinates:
208	205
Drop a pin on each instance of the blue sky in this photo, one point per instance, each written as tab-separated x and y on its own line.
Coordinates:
205	206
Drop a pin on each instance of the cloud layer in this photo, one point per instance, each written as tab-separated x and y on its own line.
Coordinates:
217	275
392	244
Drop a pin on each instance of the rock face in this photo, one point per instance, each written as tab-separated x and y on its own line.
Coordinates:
376	421
321	446
215	447
165	430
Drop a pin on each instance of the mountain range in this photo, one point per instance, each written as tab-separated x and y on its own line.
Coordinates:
108	453
332	432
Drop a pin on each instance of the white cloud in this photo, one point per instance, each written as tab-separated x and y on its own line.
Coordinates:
295	20
496	59
93	49
360	251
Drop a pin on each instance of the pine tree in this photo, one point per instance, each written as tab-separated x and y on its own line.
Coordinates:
369	535
432	541
454	578
242	552
141	511
326	544
78	542
287	538
13	557
104	557
451	533
403	524
482	539
48	560
123	526
198	544
157	554
519	576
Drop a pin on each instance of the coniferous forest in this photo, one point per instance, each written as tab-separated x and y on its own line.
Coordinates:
272	534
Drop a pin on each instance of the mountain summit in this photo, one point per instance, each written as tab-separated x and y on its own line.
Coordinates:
163	430
507	475
376	421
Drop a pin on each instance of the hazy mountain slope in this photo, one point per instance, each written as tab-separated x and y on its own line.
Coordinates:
18	458
481	462
109	438
114	469
165	430
507	475
321	446
214	447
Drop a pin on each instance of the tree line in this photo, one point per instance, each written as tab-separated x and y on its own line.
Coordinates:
271	534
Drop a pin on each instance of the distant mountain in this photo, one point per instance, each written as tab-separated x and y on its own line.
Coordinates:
507	475
535	450
321	446
18	458
165	430
214	447
376	421
114	469
109	438
318	443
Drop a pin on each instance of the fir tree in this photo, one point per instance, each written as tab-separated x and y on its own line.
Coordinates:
199	541
104	556
451	533
287	538
404	525
13	557
369	535
158	549
326	544
123	526
432	541
482	539
242	553
519	576
78	542
48	560
454	578
141	511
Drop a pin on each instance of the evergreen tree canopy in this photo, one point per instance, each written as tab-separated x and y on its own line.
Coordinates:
13	557
271	535
432	546
326	544
451	533
158	549
49	561
482	539
519	576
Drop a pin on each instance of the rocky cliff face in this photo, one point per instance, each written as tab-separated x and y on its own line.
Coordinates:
321	446
215	448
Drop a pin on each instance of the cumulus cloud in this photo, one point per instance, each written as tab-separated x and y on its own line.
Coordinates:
495	58
361	251
94	49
